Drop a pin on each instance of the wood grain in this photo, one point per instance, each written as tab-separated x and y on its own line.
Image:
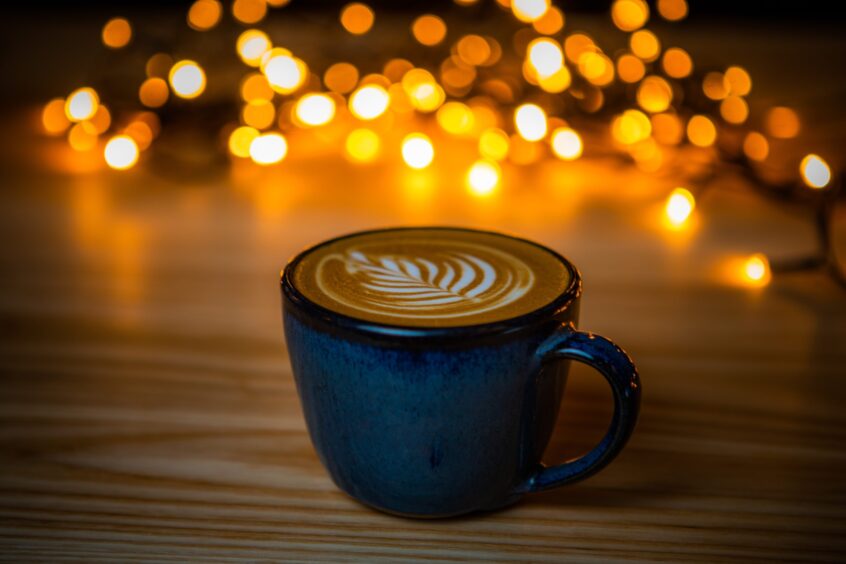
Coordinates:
147	408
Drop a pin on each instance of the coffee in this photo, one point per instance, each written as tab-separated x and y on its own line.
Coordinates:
430	277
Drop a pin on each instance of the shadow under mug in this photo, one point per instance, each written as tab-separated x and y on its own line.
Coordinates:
436	422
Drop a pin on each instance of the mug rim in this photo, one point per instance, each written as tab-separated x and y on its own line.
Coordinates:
508	326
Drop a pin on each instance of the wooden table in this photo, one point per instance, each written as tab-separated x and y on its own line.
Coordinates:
147	407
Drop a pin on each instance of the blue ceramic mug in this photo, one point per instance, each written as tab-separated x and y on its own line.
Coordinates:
435	422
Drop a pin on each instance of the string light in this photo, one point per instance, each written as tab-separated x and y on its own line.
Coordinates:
187	79
566	144
815	171
369	102
483	177
417	151
679	207
268	148
121	152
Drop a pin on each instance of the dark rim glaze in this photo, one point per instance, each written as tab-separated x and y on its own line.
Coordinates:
315	314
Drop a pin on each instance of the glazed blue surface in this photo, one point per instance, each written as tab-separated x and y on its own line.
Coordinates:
440	422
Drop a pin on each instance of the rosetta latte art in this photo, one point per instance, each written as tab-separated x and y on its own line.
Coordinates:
443	284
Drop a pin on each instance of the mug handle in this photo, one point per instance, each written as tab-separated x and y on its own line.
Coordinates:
613	363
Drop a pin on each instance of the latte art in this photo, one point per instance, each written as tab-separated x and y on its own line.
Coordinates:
430	277
451	284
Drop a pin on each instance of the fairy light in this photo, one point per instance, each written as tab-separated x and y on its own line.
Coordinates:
667	128
597	68
473	50
417	151
82	136
158	65
493	144
117	33
249	11
429	30
550	23
630	69
341	78
363	145
141	133
529	10
630	127
672	10
251	45
455	118
315	109
645	45
258	113
714	86
756	146
734	109
701	131
737	81
121	152
545	56
557	82
285	73
815	171
654	94
756	270
255	87
81	104
53	117
153	92
268	148
240	140
566	144
679	207
530	121
203	15
629	15
677	63
369	102
101	120
187	79
782	122
483	177
357	18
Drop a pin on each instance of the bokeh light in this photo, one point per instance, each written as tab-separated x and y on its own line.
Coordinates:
815	171
677	63
357	18
251	46
679	207
153	92
81	104
101	120
545	57
734	109
204	14
630	68
82	136
121	152
315	109
117	33
493	144
667	128
341	78
249	11
456	118
672	10
255	87
756	271
530	121
429	30
714	86
285	73
158	65
550	23
737	81
259	114
53	117
240	140
369	102
417	150
755	146
187	79
701	131
473	50
483	177
645	45
782	122
268	148
629	15
631	127
363	145
654	94
566	143
529	10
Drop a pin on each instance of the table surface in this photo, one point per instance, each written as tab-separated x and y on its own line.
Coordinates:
147	406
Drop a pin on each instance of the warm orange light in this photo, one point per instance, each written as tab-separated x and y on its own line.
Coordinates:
545	56
81	104
654	94
529	10
252	45
714	86
679	206
782	122
341	78
369	102
756	271
483	177
363	145
530	121
629	15
82	136
429	30
268	149
473	50
456	118
158	65
630	68
667	128
672	10
315	109
756	146
550	23
141	133
417	150
493	144
121	152
117	33
249	11
677	63
597	68
556	82
523	152
258	113
630	127
815	171
285	73
256	87
737	81
734	109
187	79
240	140
204	14
101	120
153	92
566	143
645	45
357	18
701	131
53	117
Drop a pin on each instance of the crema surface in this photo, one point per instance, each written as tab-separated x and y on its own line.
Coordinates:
431	277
